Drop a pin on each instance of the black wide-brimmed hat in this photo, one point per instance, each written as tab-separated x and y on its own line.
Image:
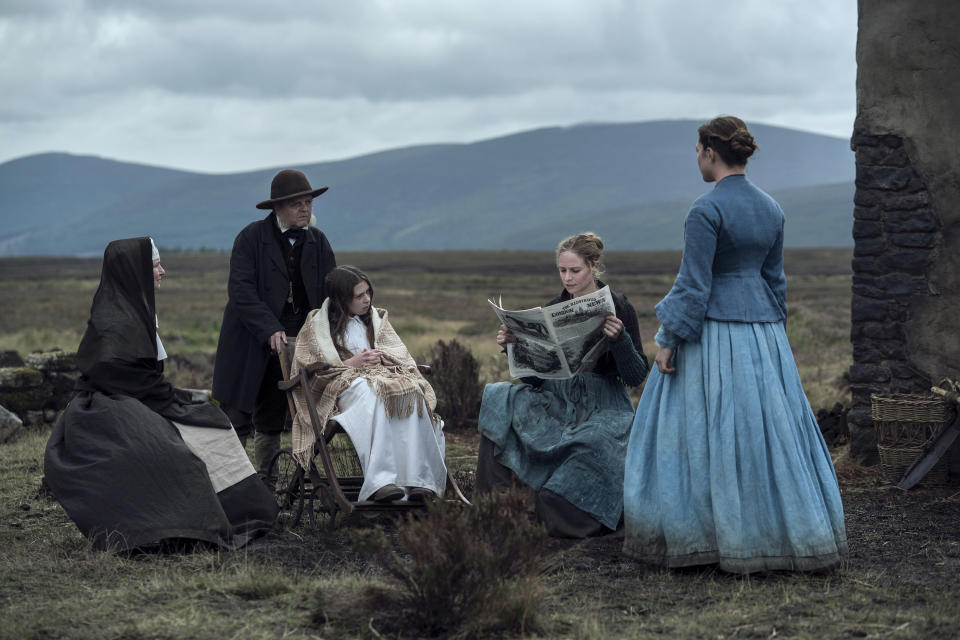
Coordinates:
287	184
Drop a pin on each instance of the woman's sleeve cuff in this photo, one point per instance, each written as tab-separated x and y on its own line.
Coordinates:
666	338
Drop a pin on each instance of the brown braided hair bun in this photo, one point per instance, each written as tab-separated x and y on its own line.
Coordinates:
728	136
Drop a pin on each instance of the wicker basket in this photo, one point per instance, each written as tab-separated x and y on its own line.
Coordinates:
905	424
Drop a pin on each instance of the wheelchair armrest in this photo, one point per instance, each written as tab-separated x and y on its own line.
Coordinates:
425	369
286	385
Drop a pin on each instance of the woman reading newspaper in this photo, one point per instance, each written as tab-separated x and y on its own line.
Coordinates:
566	438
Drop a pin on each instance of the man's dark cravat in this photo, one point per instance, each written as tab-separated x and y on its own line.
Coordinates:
296	234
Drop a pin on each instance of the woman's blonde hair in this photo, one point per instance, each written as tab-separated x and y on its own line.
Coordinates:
588	246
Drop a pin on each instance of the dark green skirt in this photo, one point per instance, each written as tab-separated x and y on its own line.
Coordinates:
568	436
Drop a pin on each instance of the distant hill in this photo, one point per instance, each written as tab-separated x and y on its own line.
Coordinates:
631	183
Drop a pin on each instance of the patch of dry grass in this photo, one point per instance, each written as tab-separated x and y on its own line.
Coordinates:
458	571
431	296
899	582
849	470
45	565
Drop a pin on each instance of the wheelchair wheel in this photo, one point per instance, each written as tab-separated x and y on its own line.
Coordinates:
289	491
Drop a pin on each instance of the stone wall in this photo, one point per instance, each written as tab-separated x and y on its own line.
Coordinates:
906	266
36	388
33	390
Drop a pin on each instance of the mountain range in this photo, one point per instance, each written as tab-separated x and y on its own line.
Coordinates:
630	182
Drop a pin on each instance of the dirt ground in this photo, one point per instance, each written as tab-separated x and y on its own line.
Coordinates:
895	535
899	580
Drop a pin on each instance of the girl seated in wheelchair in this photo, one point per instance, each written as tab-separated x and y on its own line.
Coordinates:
365	379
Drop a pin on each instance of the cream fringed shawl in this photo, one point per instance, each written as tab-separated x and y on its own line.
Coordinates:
397	381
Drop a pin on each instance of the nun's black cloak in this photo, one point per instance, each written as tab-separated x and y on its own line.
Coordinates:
117	459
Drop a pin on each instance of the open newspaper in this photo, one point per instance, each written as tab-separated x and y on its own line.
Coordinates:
560	340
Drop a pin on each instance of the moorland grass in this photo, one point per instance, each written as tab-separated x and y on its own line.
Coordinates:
431	296
464	571
53	584
899	582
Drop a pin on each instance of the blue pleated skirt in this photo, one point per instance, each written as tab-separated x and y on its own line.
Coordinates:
568	436
726	464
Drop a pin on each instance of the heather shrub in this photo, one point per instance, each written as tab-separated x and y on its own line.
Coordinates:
190	370
464	571
466	478
456	380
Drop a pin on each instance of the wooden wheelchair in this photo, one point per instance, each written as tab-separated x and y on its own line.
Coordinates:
331	487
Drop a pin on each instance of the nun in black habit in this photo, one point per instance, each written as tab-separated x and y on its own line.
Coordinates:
135	462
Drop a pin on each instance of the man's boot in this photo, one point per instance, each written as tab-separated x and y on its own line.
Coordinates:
242	424
265	447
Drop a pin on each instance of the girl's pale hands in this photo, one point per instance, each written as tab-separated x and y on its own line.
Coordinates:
612	326
364	358
504	336
664	356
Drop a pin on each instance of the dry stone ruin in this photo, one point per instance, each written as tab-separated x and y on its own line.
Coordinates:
34	389
906	267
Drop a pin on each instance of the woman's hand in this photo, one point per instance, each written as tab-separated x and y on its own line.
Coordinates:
664	356
504	336
612	326
364	358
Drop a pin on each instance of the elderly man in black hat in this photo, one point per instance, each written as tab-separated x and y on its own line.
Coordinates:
277	269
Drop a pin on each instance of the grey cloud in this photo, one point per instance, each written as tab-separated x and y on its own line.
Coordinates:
404	71
415	51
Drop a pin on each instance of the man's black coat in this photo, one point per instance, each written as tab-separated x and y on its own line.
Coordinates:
257	290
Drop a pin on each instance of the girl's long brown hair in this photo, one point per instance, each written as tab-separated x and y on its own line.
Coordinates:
339	285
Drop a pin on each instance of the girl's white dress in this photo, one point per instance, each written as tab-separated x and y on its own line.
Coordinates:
407	452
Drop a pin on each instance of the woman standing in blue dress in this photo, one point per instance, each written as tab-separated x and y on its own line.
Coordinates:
726	463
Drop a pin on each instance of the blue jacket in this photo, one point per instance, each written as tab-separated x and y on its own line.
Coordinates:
732	267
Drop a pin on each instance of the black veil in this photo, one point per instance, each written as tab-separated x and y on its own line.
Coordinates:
118	352
122	316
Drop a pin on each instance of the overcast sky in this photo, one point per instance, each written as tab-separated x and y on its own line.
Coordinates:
232	85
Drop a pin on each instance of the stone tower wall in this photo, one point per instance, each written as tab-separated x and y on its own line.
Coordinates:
906	266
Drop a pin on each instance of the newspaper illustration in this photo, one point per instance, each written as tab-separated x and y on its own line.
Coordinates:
557	341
